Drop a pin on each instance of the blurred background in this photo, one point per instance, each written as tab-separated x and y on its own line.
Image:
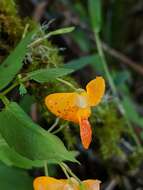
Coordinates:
116	52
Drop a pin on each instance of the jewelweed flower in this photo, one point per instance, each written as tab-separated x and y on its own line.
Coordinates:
76	106
50	183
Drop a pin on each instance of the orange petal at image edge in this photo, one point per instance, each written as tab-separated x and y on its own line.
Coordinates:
50	183
85	132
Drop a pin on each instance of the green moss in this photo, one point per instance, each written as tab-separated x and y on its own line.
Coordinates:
108	127
45	55
8	7
11	27
135	159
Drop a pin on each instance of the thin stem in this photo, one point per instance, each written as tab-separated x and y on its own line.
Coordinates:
70	172
58	130
25	30
46	168
54	124
113	87
103	61
67	83
4	99
10	88
39	40
65	171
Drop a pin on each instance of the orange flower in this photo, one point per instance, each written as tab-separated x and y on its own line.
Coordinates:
76	106
50	183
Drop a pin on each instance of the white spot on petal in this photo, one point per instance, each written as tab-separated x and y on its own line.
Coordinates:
82	101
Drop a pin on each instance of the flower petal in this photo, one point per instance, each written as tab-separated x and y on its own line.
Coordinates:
91	184
48	183
63	105
85	132
95	90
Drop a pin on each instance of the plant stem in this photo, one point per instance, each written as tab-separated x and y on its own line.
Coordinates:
113	87
4	99
46	168
65	171
59	129
10	88
25	31
104	64
54	125
67	83
70	172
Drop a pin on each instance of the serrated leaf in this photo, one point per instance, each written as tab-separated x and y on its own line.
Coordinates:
30	140
46	75
14	62
94	7
14	179
12	158
82	62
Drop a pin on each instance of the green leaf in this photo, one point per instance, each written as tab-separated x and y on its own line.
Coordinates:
79	37
121	77
131	111
82	62
95	14
11	158
26	102
14	179
30	140
46	75
61	31
14	62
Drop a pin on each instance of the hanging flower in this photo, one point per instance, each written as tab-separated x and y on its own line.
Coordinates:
76	106
50	183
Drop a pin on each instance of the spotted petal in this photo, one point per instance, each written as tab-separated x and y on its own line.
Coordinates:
63	105
47	183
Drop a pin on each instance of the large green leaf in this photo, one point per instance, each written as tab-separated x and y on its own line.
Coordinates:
30	140
14	179
45	75
14	62
95	14
11	158
82	62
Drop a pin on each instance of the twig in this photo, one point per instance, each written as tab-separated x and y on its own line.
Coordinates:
123	58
